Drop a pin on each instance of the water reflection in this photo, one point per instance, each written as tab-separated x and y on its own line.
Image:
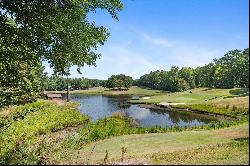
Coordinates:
98	107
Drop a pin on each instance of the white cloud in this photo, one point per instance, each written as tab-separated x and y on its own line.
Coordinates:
121	59
180	53
193	56
156	40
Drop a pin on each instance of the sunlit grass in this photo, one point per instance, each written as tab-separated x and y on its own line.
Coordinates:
25	125
221	97
234	152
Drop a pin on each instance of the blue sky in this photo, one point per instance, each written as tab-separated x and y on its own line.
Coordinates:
157	34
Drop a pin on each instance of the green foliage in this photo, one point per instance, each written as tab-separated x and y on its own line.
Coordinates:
25	125
57	31
54	31
119	81
20	82
15	113
174	80
227	72
56	83
232	70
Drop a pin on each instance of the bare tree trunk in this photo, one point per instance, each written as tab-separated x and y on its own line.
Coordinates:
67	89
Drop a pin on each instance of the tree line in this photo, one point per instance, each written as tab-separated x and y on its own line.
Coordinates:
232	70
57	83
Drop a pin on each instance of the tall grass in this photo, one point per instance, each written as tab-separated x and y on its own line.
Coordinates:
23	126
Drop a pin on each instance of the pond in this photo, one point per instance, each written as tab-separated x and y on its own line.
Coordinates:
98	107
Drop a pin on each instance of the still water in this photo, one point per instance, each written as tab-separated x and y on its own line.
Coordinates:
98	107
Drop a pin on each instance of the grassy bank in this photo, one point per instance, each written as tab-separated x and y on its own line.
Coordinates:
23	126
232	153
222	97
155	148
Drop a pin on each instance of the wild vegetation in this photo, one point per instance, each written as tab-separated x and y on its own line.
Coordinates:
25	129
22	127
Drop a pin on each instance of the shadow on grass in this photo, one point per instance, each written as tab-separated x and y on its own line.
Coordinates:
238	93
242	139
159	91
115	90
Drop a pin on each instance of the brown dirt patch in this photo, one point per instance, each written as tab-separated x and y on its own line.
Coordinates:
233	133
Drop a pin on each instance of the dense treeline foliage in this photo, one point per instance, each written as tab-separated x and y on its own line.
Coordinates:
232	70
56	83
119	81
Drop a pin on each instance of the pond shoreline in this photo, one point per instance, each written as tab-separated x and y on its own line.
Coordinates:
169	108
129	98
148	115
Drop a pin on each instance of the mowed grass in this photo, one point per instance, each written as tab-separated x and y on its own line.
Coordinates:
237	96
155	148
233	153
